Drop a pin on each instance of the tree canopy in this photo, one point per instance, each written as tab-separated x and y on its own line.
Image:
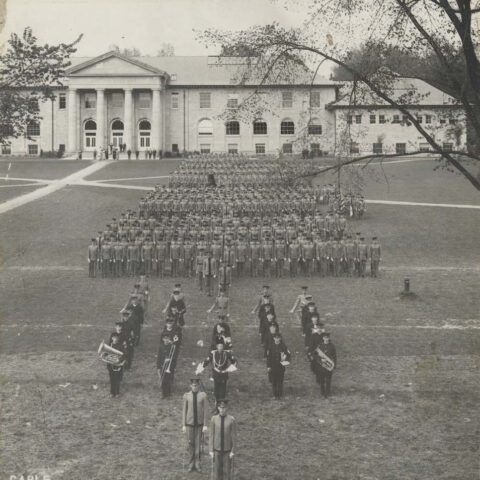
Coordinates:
439	33
28	74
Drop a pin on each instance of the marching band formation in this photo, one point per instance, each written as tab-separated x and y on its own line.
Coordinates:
219	220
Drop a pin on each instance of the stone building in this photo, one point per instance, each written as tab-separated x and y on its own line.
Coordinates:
177	104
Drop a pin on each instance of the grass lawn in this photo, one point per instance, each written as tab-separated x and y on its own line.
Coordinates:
405	395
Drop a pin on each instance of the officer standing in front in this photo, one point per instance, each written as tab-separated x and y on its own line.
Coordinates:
223	430
194	422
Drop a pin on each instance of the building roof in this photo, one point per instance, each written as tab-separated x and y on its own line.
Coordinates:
405	90
202	70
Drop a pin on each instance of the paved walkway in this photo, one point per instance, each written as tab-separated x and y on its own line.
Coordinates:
51	187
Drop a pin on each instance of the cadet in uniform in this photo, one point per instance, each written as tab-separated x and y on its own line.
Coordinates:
92	258
222	442
194	421
277	354
167	357
115	372
375	257
324	360
221	361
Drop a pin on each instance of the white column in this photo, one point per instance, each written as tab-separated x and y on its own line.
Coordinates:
127	119
156	117
72	120
100	117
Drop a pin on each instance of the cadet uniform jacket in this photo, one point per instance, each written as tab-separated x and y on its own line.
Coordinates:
229	437
189	409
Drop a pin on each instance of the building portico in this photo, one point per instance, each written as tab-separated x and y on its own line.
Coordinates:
109	99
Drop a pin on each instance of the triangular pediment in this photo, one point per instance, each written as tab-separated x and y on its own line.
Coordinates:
112	63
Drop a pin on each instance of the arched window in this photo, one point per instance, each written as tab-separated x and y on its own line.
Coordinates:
117	134
287	127
117	125
33	129
90	125
314	127
260	127
144	130
232	128
144	125
205	127
90	134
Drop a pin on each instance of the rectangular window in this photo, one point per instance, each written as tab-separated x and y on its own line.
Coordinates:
205	100
452	121
233	148
144	141
117	100
382	119
232	128
373	119
62	101
400	148
443	120
174	100
358	119
6	130
6	150
33	129
33	104
33	149
90	100
204	148
315	99
260	128
175	147
428	119
232	101
287	128
315	149
314	129
405	120
424	147
378	148
447	147
287	148
61	147
349	119
396	119
287	99
354	148
144	100
260	148
419	119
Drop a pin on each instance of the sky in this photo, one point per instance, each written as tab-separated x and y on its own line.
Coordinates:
144	24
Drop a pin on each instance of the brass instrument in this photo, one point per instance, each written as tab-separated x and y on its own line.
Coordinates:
167	363
325	361
110	355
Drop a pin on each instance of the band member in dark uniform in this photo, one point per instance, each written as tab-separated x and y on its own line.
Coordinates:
221	360
115	372
137	317
176	307
272	328
277	355
265	309
323	357
222	442
221	334
313	327
194	421
167	357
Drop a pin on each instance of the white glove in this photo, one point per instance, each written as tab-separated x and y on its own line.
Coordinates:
211	454
184	429
205	429
231	454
